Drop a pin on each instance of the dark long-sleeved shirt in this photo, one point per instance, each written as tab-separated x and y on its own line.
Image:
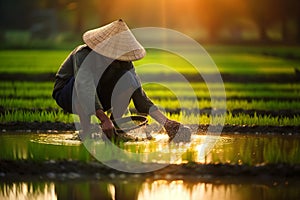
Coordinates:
96	76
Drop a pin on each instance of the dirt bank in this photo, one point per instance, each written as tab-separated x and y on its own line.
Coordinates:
70	170
199	129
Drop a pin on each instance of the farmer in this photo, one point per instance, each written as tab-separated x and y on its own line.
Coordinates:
103	77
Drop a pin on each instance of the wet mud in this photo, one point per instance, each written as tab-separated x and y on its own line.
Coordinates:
66	169
196	129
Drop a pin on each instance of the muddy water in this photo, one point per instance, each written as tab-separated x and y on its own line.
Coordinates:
229	148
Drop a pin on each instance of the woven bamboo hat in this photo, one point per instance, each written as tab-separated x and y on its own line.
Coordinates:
116	41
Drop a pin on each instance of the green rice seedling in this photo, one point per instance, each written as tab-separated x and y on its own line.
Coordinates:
229	94
262	86
41	103
173	104
228	86
227	63
26	93
262	105
270	105
31	61
240	119
44	116
160	86
253	64
30	89
262	120
47	61
26	85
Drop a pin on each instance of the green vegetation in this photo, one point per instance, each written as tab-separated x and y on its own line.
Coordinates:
31	116
238	60
31	61
32	101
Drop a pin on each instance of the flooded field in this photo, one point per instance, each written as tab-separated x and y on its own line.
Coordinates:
206	149
232	149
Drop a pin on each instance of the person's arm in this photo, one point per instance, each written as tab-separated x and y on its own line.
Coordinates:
106	124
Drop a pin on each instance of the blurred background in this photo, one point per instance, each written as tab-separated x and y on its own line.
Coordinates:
59	23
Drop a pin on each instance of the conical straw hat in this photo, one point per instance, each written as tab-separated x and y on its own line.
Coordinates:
116	41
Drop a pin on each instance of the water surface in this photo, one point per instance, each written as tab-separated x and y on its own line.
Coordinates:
124	189
230	148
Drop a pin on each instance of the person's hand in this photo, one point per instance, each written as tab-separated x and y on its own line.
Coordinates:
171	127
107	125
174	128
108	128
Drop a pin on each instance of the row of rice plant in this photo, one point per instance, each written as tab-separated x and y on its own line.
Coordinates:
49	103
43	103
230	62
166	93
266	96
36	116
240	119
271	105
22	85
219	94
25	93
31	62
47	61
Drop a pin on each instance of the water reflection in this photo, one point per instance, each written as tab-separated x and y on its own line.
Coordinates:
234	149
23	190
179	189
145	190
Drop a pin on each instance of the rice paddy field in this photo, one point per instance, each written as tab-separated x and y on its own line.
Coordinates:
256	155
261	84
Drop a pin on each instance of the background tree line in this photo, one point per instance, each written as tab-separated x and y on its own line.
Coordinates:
268	19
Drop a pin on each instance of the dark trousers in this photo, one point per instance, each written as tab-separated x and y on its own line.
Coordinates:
64	98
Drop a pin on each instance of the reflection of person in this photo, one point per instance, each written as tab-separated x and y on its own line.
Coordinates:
105	60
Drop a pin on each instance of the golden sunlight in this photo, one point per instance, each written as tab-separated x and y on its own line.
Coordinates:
178	190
